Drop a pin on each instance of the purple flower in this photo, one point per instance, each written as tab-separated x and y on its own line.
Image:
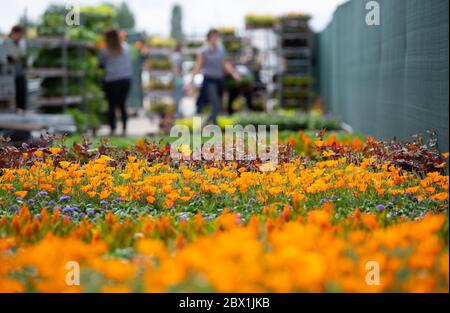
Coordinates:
81	214
209	217
103	202
90	212
183	218
119	199
323	200
36	216
64	198
42	193
56	208
380	207
31	200
67	209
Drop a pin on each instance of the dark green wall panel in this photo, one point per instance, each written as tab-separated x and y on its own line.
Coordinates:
389	80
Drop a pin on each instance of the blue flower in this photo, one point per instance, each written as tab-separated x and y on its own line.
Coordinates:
42	193
90	212
64	198
380	207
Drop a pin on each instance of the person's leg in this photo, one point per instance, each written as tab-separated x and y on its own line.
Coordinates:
215	93
232	95
21	92
221	89
202	96
123	89
221	86
177	95
109	93
248	94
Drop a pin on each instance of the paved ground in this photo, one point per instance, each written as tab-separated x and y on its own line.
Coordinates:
141	125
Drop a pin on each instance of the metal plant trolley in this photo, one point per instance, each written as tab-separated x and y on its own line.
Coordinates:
63	72
295	50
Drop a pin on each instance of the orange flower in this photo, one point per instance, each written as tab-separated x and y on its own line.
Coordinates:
21	194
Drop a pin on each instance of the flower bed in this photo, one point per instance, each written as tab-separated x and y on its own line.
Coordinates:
137	221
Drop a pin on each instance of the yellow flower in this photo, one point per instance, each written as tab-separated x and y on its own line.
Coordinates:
318	143
64	164
185	150
55	150
440	196
21	194
104	194
267	167
328	153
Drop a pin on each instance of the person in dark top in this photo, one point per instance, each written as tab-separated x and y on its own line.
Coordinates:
116	60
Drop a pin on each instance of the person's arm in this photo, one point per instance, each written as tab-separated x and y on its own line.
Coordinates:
230	69
198	66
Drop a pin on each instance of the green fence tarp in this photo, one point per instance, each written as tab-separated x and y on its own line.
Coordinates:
389	80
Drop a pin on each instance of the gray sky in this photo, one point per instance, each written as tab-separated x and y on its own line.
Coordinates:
153	16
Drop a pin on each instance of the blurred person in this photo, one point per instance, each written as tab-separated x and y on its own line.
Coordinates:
245	87
177	69
16	56
251	78
116	60
213	63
